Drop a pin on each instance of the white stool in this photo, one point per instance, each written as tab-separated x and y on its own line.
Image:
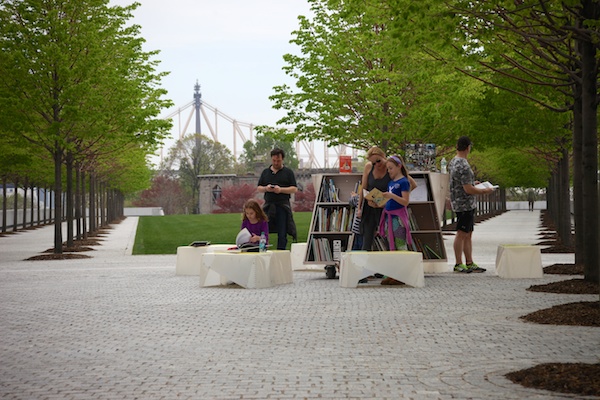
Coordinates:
519	261
404	266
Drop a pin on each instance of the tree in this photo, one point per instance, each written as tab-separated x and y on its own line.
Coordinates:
166	193
359	85
551	44
233	198
267	139
195	155
74	77
304	200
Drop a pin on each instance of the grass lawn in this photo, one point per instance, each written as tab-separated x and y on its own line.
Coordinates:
162	235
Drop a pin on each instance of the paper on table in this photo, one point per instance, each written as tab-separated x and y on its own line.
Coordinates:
376	196
485	185
243	237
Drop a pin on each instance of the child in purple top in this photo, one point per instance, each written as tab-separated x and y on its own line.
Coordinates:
255	220
394	219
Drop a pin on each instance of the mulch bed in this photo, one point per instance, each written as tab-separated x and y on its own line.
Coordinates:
572	286
583	313
564	269
577	378
64	256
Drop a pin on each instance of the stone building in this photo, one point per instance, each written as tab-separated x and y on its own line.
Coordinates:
210	186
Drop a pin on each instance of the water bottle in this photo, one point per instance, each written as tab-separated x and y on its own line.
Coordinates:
262	245
443	163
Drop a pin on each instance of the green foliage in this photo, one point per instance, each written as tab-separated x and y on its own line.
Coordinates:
74	80
360	81
510	167
194	155
267	139
162	235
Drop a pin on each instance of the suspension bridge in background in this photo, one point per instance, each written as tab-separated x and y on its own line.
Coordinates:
311	154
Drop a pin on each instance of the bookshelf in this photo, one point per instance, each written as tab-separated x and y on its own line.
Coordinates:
425	214
330	227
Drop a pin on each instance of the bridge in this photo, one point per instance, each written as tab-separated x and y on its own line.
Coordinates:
232	133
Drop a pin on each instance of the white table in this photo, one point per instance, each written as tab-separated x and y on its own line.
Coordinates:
519	261
404	266
249	270
188	257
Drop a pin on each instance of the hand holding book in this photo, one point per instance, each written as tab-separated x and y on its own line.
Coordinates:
486	185
376	196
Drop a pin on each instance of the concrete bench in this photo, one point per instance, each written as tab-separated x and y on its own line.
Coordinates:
519	261
188	257
249	270
404	266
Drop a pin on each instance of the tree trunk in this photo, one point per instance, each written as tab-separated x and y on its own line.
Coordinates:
577	174
83	209
92	218
589	110
16	205
39	206
58	248
563	221
78	234
4	205
69	206
25	204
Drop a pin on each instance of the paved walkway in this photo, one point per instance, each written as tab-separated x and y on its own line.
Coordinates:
117	326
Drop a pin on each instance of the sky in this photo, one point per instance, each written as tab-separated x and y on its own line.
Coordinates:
233	48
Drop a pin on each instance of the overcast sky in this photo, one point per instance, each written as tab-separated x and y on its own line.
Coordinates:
234	48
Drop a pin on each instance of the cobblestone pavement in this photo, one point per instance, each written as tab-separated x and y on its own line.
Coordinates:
117	326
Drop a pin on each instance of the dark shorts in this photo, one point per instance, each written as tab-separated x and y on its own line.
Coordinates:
465	221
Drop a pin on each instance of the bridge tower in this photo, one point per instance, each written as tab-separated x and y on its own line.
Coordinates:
197	104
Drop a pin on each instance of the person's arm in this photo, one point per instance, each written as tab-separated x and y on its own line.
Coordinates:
470	189
262	184
413	183
285	190
365	177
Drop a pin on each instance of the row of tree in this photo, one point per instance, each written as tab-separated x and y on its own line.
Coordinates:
520	77
79	101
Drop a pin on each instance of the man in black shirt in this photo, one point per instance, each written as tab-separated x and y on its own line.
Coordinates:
277	183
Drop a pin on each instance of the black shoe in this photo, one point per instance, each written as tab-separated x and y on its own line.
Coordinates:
364	280
378	276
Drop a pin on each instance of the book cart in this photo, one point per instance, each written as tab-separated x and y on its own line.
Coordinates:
330	227
425	210
330	232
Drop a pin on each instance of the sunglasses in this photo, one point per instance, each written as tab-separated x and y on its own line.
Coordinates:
378	161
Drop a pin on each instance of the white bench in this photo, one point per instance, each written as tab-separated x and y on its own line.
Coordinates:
519	261
404	266
249	270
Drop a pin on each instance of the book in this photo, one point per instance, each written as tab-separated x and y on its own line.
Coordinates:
432	252
376	196
485	185
420	193
337	249
243	236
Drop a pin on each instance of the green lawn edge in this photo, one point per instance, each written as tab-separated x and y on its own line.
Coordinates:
163	234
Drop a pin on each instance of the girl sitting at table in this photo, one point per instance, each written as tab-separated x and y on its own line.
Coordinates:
255	220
